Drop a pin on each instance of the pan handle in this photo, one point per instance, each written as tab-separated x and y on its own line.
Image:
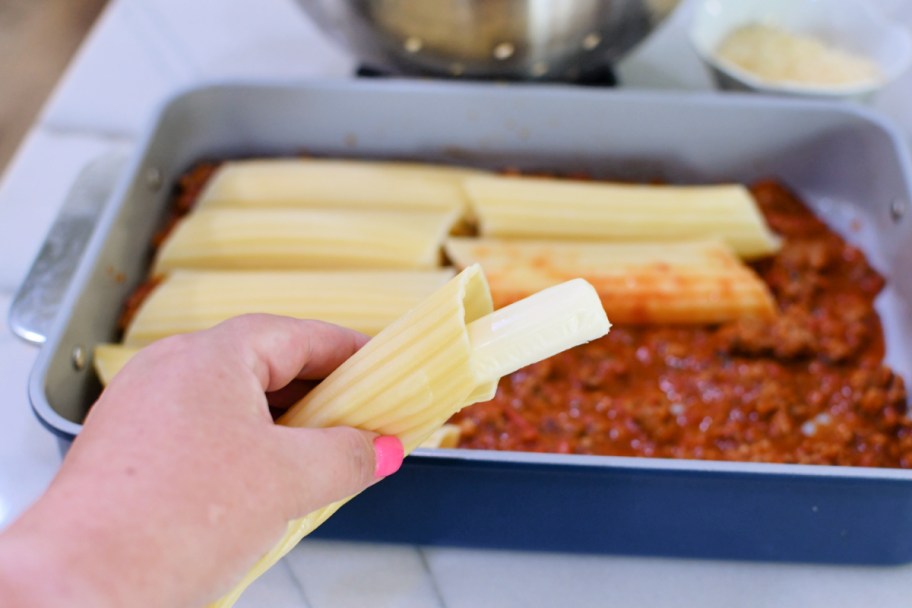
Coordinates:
35	304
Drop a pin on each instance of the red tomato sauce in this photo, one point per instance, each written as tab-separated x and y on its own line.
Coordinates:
806	387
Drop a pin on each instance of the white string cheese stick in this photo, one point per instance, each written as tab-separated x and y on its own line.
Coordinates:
428	365
367	301
336	183
534	207
273	239
514	336
674	282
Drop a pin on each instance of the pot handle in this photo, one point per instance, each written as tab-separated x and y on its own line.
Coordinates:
35	304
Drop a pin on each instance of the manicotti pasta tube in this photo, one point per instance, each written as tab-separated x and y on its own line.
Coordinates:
441	356
368	301
677	282
336	184
273	239
532	207
108	359
446	436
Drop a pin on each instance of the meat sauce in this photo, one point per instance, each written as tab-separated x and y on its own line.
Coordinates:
806	387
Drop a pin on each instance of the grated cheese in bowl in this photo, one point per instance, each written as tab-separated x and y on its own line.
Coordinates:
778	56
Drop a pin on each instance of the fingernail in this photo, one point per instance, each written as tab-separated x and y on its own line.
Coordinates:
388	455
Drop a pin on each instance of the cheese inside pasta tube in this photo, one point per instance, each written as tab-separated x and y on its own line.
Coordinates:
445	354
532	207
509	338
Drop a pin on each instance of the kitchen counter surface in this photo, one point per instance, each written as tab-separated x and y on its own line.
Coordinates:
140	53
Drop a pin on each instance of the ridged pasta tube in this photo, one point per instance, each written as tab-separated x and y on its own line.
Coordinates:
336	184
107	359
677	282
273	239
441	356
367	301
533	207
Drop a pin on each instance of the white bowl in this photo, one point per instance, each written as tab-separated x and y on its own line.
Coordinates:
850	25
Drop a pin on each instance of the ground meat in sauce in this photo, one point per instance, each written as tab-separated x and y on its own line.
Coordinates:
808	387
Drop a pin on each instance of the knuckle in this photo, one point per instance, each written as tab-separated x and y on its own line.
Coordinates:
244	322
172	348
359	455
320	466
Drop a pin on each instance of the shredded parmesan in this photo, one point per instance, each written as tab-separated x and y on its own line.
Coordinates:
778	56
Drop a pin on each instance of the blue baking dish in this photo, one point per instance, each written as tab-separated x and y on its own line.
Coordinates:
847	162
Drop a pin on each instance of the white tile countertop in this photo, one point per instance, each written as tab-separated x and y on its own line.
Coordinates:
143	51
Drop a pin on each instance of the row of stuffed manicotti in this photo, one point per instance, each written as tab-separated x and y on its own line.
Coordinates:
358	243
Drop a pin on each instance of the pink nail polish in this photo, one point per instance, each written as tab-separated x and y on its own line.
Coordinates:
388	455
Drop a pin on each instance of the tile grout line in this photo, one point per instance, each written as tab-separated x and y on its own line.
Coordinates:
427	569
54	128
296	582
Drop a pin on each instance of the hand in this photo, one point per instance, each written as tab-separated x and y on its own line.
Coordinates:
180	480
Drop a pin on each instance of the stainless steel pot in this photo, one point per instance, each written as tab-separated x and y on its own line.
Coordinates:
556	40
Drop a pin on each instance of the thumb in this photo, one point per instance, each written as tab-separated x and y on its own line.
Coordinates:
322	466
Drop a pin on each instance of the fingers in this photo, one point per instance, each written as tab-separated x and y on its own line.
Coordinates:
280	349
290	394
326	465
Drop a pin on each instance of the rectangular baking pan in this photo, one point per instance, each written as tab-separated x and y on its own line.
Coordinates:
847	162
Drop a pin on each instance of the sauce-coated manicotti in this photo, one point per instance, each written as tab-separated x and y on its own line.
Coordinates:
807	387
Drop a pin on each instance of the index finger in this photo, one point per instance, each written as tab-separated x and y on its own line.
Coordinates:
279	349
